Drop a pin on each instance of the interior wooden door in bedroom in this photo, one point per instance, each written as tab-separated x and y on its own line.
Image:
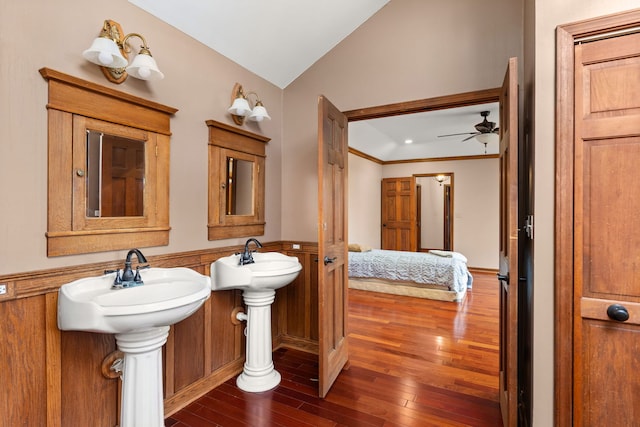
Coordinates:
332	243
509	276
399	214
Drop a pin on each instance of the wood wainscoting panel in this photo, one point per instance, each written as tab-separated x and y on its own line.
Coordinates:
227	338
88	398
188	350
23	359
302	298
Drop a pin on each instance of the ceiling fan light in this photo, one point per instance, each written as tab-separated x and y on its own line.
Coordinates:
486	138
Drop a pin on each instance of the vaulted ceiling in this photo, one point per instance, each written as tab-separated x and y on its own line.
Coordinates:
279	40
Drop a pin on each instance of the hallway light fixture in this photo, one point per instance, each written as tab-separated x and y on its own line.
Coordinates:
110	51
241	108
440	178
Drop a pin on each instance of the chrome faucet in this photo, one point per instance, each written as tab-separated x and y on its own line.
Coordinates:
128	278
246	257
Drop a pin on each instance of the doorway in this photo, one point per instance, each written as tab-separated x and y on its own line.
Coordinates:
435	211
471	98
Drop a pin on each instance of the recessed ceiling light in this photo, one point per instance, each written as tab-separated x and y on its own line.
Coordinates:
408	141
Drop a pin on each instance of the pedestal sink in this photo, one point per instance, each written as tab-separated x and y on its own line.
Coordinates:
140	318
258	282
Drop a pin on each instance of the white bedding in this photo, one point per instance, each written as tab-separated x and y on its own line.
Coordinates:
419	267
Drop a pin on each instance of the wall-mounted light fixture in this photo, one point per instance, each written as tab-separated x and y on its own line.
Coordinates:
241	108
110	51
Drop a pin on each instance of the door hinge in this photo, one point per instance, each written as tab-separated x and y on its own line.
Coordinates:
528	227
156	150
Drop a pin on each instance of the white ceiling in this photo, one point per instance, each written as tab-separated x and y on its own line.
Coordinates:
384	138
279	40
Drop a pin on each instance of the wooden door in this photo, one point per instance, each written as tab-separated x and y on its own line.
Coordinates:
448	218
607	232
508	276
399	210
332	243
419	217
122	177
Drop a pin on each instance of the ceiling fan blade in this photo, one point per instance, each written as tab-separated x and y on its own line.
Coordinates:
458	134
472	136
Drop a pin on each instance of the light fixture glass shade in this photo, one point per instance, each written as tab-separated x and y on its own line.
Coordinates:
144	67
486	138
105	52
240	107
259	113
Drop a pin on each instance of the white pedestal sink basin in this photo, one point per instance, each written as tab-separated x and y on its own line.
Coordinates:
140	317
270	270
258	282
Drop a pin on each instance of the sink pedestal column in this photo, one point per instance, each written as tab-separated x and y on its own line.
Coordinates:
259	373
142	403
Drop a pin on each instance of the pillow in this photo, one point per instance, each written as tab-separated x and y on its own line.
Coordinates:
449	254
354	247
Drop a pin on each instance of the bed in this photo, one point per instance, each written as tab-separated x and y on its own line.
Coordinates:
441	275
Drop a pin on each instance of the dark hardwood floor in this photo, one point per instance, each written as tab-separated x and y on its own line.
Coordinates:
413	362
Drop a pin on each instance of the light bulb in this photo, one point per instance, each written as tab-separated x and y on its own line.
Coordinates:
105	58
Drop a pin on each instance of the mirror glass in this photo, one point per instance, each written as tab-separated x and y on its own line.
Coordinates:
435	207
239	187
115	174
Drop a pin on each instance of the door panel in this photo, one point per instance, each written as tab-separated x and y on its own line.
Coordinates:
606	231
509	277
123	173
332	243
399	210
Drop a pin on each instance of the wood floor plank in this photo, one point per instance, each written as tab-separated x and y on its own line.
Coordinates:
413	362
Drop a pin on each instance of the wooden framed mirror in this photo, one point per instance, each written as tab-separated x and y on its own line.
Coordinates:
108	179
236	182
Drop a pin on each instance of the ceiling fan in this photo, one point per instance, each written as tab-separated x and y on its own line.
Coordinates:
484	127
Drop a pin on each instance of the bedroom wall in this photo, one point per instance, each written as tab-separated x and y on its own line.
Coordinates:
364	201
475	204
198	81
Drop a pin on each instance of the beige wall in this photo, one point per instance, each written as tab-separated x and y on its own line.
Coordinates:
475	195
475	211
364	201
198	82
